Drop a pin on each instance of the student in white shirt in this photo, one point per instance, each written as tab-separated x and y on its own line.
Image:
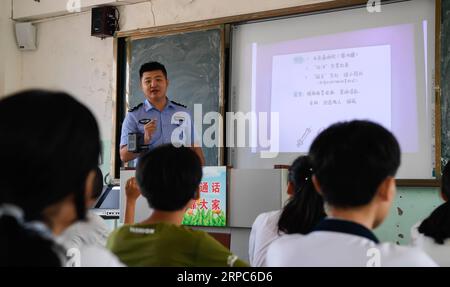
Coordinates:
51	144
301	213
354	164
433	234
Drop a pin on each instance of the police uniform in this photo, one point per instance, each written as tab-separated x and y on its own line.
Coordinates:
173	124
341	243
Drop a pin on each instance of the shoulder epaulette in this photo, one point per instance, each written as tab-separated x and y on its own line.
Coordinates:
178	104
135	108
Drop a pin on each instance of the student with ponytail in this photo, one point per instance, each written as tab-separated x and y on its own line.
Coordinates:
300	215
433	234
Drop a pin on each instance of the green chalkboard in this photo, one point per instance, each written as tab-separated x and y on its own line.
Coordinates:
445	82
193	64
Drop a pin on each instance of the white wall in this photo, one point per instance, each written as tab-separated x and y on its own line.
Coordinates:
10	60
166	12
69	59
26	10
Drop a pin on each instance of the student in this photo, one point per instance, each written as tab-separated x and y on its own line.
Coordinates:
354	165
302	212
50	144
433	234
169	179
89	236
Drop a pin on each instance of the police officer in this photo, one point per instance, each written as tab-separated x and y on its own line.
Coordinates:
160	121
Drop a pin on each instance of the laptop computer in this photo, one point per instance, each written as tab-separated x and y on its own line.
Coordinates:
108	204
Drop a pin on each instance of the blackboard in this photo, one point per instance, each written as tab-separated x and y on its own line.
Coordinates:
193	64
445	83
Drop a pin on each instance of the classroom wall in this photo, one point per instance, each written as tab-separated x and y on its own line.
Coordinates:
69	58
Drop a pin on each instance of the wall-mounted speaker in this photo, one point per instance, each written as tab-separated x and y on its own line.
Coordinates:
26	36
104	21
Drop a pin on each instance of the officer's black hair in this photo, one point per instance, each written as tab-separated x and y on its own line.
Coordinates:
169	177
152	66
351	159
437	225
50	143
305	208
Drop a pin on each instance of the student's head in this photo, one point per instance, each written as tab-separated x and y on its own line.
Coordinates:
169	177
154	82
300	173
305	207
354	165
50	147
437	225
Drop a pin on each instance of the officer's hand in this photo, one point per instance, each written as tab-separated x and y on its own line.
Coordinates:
132	190
149	129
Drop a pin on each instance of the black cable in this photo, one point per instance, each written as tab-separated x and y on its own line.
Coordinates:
117	19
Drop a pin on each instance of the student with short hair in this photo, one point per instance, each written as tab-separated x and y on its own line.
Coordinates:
300	215
50	144
354	165
433	234
169	178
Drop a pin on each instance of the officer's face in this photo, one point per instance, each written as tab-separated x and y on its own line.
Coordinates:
154	85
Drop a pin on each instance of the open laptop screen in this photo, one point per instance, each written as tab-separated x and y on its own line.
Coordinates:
108	203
